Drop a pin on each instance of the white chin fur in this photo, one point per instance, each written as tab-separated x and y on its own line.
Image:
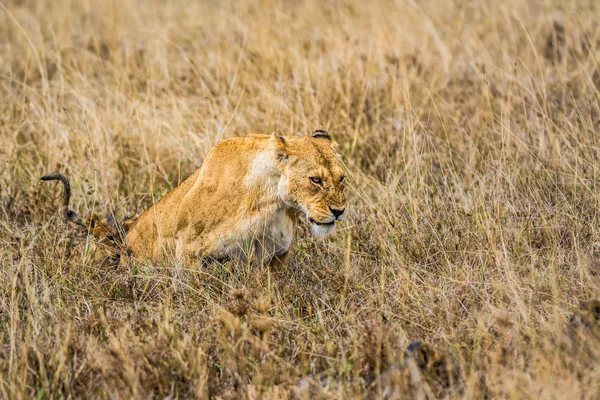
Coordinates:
321	231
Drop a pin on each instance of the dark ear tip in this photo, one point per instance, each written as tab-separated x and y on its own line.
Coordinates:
278	138
321	134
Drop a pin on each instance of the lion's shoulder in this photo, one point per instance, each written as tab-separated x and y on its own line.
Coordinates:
235	148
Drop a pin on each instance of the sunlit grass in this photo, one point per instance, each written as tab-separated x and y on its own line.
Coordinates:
471	137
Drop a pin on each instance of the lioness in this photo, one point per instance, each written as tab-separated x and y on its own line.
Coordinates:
245	200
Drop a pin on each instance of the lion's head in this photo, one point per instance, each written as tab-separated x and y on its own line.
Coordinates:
312	180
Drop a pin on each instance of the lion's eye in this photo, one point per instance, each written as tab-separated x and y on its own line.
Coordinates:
342	179
315	180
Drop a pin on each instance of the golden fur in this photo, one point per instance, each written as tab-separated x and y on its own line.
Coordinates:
245	200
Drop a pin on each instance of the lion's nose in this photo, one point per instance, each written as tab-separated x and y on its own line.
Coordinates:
336	212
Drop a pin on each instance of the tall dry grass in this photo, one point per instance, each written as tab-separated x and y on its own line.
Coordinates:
471	135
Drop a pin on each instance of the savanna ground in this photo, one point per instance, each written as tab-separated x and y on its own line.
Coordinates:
471	136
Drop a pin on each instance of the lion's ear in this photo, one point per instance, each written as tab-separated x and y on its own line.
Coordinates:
280	146
321	134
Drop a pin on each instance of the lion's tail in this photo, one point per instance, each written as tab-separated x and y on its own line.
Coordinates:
69	215
101	228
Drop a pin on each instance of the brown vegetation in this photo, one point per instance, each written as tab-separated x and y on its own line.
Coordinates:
471	136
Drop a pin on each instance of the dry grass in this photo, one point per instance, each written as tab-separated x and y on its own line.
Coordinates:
471	134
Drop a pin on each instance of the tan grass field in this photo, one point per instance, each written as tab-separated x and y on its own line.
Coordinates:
471	136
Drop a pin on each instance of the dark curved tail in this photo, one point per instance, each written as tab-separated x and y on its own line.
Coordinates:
69	215
108	232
